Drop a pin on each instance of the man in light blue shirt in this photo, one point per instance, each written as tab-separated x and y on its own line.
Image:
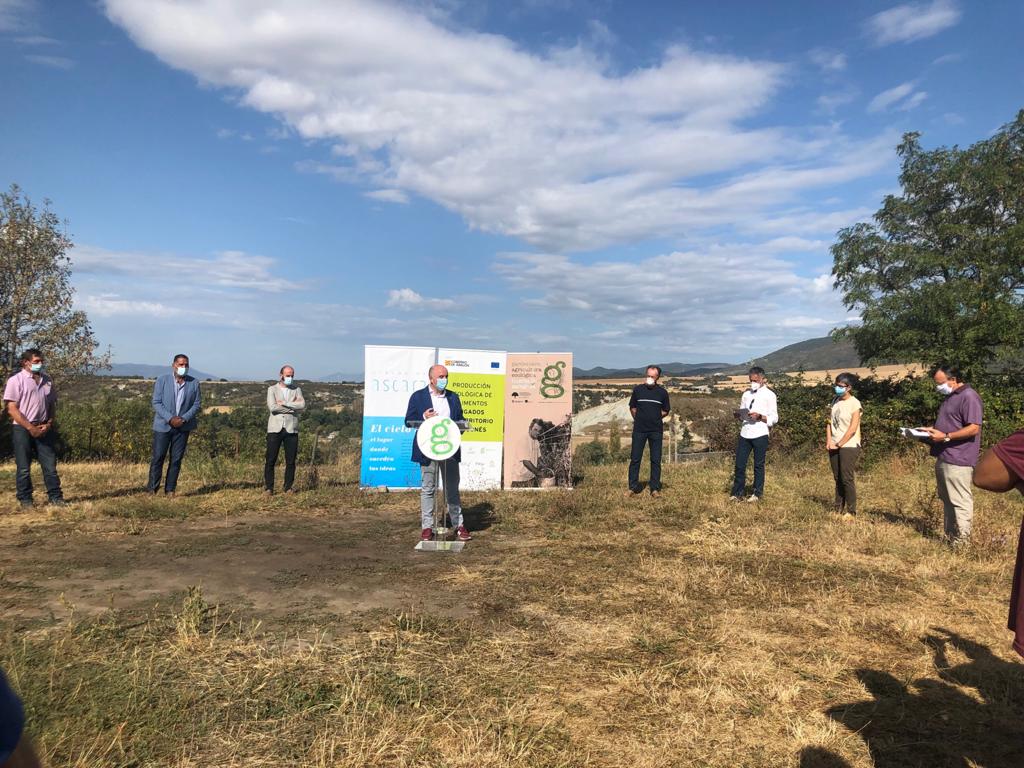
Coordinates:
176	402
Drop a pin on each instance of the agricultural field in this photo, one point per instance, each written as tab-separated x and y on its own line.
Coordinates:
578	628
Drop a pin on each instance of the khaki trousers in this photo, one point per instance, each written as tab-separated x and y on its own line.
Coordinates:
953	484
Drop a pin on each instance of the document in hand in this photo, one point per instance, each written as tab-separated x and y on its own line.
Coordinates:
914	432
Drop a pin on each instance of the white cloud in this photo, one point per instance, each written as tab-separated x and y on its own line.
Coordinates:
830	102
537	146
828	61
54	62
407	299
902	96
14	13
723	297
227	271
36	40
913	21
388	195
111	304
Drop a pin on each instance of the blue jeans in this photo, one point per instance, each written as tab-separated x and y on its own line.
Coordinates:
23	444
636	455
759	445
174	442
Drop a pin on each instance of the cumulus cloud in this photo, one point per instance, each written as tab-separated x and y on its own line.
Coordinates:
556	148
407	299
902	96
725	297
913	21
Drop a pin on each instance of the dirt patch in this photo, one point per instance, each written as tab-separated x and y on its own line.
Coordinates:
298	566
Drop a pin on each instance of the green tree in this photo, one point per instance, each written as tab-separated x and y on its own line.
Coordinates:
939	274
36	297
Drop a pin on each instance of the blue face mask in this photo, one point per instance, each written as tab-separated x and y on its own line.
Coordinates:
36	367
288	381
840	391
182	370
442	383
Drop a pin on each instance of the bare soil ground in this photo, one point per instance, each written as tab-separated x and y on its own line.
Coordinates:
579	628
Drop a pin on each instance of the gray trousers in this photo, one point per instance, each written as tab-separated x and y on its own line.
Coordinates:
428	486
953	484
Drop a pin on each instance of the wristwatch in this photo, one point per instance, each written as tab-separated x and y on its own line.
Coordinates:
947	438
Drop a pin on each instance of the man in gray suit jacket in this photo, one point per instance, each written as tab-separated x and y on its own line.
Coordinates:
176	402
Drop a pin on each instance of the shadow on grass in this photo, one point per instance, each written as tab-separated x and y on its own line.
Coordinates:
479	517
819	757
932	722
923	525
209	488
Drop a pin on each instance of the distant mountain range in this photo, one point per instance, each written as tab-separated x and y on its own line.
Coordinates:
809	355
149	371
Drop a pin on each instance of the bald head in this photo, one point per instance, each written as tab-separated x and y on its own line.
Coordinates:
435	372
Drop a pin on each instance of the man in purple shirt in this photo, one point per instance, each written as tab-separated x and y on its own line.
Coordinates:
955	444
31	403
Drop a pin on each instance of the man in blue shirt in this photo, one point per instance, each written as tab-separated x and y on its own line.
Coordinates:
649	406
176	402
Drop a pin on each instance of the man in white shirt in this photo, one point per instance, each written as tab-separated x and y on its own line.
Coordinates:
758	413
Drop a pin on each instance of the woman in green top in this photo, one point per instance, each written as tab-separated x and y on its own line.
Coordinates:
842	440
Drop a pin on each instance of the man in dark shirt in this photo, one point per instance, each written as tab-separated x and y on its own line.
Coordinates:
15	749
648	406
956	443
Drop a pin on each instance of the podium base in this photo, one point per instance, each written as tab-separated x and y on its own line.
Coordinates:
440	546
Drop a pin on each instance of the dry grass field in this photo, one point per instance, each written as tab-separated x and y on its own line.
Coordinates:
579	628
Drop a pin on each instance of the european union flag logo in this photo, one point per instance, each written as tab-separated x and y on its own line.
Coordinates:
495	365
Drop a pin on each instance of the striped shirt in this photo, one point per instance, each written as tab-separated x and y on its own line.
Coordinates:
650	403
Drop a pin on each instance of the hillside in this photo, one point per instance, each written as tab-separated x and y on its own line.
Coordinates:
129	370
812	354
668	369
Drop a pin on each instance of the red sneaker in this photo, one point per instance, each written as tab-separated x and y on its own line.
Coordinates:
427	534
462	534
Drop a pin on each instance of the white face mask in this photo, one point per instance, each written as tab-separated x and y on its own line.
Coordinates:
288	381
650	381
754	386
944	389
181	370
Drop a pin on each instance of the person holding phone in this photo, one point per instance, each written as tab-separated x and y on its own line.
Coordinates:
436	399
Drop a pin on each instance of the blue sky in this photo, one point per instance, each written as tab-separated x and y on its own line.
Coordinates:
261	181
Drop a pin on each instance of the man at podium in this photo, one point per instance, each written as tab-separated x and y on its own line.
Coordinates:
436	399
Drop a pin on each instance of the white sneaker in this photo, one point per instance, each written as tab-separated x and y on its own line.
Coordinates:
735	498
753	499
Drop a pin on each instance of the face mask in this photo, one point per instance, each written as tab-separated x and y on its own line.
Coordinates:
442	382
944	389
840	391
36	367
288	381
182	370
650	381
754	386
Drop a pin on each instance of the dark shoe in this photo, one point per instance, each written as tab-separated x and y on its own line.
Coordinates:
26	503
57	503
427	534
152	491
462	534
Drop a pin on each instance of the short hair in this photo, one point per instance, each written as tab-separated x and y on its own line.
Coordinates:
655	367
281	372
847	378
950	371
758	370
179	355
29	353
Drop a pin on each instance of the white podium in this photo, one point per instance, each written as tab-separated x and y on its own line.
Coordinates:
439	438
